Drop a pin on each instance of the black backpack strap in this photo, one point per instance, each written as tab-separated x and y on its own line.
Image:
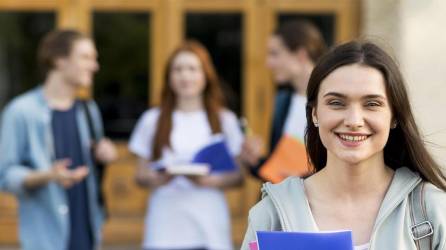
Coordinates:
91	127
99	167
421	229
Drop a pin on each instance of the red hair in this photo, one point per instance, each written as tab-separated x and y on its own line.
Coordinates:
212	96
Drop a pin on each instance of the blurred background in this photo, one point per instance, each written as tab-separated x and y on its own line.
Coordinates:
134	37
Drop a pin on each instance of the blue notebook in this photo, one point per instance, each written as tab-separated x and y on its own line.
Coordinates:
339	240
217	156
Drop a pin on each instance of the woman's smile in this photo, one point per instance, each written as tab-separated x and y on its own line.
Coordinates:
352	139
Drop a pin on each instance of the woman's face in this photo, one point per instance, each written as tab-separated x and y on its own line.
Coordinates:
353	113
281	61
187	78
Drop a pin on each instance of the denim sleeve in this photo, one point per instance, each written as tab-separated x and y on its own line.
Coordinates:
13	142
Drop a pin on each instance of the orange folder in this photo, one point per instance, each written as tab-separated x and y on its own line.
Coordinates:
289	158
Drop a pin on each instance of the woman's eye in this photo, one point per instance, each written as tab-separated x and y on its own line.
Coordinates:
335	103
176	69
373	104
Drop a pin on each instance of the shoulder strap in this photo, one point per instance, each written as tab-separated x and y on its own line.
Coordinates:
91	127
281	109
99	167
421	228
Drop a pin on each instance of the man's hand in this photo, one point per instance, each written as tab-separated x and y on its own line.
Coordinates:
251	150
66	177
105	151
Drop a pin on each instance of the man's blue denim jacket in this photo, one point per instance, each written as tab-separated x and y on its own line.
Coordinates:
26	145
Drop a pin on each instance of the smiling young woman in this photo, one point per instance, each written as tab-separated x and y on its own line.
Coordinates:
368	154
353	114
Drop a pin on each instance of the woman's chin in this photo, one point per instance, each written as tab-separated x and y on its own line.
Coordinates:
352	159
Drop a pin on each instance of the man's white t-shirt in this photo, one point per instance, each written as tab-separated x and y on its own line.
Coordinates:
296	120
181	214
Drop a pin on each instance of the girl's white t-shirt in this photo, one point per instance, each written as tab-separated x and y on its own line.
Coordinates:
181	214
296	120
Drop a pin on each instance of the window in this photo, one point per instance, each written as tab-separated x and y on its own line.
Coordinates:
20	35
121	87
222	36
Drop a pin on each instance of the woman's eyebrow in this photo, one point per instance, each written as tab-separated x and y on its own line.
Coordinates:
374	96
340	95
335	94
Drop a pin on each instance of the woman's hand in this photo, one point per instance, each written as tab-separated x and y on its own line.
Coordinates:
147	177
221	180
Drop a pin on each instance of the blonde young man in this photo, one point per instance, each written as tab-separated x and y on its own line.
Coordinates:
48	156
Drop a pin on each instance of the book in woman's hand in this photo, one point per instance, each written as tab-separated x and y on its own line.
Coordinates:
333	240
191	169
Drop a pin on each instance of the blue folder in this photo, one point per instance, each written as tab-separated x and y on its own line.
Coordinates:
217	156
339	240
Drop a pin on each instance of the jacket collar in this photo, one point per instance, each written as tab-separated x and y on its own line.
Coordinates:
404	181
41	97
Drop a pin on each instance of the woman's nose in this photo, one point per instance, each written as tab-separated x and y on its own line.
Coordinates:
354	118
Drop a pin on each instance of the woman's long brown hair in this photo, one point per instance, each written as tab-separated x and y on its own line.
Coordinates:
405	146
212	97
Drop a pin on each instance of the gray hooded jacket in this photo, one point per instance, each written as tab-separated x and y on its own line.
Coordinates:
284	207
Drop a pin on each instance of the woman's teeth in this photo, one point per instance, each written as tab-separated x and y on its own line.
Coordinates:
353	138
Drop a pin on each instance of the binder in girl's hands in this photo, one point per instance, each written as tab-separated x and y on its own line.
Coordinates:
335	240
212	158
216	154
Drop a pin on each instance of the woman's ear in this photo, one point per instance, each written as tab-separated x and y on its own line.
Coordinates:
314	117
302	55
394	123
